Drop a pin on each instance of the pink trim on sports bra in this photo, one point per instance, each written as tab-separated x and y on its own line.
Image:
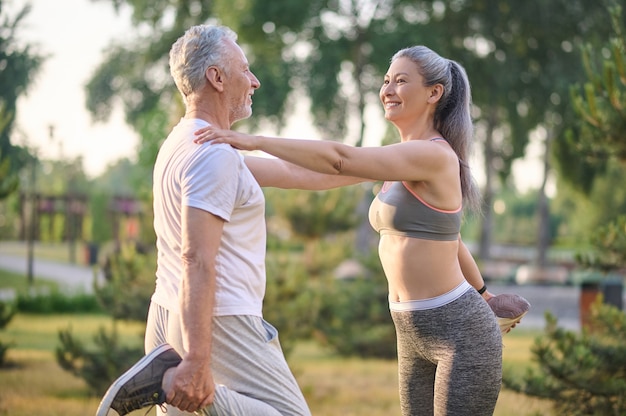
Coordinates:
445	211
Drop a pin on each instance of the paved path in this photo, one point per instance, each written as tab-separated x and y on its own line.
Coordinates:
71	278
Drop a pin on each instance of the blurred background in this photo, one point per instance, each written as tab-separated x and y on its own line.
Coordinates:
86	99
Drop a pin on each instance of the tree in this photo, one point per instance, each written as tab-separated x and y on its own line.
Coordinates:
601	104
8	181
520	60
18	67
584	374
591	156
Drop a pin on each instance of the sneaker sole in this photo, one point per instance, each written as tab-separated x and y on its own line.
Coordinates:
107	399
506	323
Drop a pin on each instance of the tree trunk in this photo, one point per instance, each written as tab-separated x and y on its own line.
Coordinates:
543	209
487	223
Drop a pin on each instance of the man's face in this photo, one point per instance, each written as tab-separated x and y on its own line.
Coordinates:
241	83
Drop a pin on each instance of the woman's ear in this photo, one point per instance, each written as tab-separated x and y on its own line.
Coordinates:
215	78
436	92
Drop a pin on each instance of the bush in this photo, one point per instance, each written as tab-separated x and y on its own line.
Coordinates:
7	311
98	367
129	284
57	302
354	317
124	296
581	373
291	301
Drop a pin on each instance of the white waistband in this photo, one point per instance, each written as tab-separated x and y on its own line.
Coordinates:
431	303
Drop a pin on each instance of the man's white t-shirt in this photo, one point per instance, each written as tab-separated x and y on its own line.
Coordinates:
213	178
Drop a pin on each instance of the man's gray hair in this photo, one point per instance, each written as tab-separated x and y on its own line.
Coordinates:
199	48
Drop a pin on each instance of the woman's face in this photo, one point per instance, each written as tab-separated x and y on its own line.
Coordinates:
403	93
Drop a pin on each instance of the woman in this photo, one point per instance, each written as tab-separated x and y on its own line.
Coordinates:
449	343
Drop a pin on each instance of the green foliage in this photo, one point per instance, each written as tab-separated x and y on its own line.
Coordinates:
98	367
609	242
600	104
292	298
312	215
7	311
19	67
100	228
125	296
8	180
581	373
515	221
55	301
129	284
354	318
582	214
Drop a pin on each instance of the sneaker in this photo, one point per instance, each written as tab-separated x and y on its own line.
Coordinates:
140	386
509	309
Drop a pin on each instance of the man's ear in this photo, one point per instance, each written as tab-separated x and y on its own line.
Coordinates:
436	92
215	78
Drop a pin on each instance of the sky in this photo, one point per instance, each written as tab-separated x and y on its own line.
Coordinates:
73	34
74	37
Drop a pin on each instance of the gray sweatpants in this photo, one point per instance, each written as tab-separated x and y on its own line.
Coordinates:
449	358
249	368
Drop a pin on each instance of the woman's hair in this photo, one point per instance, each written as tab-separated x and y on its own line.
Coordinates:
200	47
452	115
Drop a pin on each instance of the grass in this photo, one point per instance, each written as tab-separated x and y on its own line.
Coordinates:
46	251
17	283
34	384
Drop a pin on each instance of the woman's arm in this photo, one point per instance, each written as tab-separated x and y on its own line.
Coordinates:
470	269
415	160
278	173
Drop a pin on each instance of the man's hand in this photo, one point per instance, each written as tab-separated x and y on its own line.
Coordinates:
190	386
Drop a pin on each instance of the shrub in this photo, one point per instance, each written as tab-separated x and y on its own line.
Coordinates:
98	367
354	317
581	373
129	284
57	302
7	311
125	296
291	301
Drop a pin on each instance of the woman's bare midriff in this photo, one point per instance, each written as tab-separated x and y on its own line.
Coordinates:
419	269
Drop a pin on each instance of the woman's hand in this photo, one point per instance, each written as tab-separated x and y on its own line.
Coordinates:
237	140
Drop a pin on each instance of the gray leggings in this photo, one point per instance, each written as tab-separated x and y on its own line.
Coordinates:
449	358
250	371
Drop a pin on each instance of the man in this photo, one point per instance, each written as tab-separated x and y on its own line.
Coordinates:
205	324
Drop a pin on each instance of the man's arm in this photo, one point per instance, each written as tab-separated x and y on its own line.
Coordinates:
193	386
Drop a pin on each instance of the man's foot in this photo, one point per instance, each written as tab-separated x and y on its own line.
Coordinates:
509	309
140	386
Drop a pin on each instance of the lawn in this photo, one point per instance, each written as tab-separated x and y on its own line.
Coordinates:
34	384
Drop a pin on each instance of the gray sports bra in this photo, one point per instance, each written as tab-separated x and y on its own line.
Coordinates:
397	210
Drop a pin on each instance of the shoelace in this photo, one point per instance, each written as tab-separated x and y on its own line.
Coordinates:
161	406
